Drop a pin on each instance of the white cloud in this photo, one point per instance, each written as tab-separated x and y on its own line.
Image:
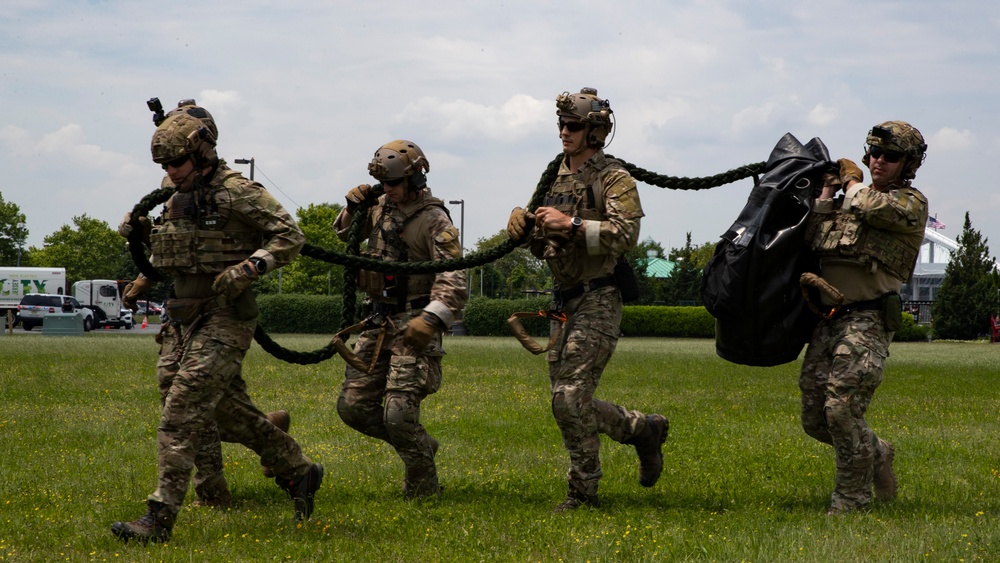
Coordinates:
822	115
950	139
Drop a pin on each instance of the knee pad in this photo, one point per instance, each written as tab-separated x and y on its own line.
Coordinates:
400	412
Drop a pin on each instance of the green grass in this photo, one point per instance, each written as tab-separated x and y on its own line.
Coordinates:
742	482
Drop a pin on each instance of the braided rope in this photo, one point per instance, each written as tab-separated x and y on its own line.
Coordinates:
352	261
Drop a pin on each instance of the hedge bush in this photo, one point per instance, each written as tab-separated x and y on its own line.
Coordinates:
488	317
911	331
316	314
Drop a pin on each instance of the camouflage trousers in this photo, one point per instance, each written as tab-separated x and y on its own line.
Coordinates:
576	363
385	403
207	399
841	370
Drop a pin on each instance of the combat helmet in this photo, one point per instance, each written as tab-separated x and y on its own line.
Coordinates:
590	109
400	159
901	137
191	107
181	134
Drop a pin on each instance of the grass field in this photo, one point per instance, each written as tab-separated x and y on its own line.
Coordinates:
742	482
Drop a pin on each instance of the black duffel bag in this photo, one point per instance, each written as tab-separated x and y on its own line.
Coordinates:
751	284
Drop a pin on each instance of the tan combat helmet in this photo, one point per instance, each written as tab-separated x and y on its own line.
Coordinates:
588	108
400	159
181	135
901	137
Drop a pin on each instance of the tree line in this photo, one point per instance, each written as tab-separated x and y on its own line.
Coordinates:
91	249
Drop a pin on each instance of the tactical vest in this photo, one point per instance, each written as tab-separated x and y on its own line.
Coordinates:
582	197
394	238
197	235
844	236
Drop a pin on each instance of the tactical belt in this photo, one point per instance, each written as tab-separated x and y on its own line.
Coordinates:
869	305
563	296
391	309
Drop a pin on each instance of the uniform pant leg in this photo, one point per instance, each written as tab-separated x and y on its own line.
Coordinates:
360	402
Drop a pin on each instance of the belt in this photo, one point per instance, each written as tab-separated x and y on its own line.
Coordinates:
869	305
571	293
390	309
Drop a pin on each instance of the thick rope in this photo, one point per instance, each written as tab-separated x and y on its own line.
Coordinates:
352	261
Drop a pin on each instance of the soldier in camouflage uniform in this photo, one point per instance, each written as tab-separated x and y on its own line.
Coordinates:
219	233
210	486
868	240
588	220
405	224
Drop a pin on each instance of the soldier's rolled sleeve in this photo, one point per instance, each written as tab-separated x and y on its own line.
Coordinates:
281	237
620	231
448	293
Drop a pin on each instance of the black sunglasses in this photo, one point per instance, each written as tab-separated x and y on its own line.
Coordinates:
892	157
572	126
393	183
177	162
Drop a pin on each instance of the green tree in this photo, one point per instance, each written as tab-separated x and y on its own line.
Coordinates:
683	287
509	276
969	292
10	235
90	249
308	275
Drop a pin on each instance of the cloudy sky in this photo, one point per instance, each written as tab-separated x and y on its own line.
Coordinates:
310	89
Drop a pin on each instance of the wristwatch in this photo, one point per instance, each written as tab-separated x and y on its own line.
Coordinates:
260	264
577	222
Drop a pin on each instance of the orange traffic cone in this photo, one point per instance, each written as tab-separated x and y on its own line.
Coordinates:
145	321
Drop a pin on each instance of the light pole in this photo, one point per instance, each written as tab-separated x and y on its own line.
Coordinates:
250	161
246	161
20	240
459	327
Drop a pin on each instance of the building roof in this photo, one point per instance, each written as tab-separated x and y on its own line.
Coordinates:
657	267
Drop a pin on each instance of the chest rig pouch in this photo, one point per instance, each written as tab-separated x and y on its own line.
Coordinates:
197	236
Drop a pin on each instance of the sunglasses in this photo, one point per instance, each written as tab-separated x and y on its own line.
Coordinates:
572	126
393	183
892	157
176	163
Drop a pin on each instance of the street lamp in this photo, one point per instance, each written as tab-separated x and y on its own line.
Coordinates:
459	327
246	161
20	240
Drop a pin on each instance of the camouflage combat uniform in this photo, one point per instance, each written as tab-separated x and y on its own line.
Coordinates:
868	242
385	403
612	211
197	240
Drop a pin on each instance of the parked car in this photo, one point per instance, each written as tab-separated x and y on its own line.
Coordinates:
34	307
126	317
148	308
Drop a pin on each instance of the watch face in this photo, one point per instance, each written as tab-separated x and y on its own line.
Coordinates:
577	221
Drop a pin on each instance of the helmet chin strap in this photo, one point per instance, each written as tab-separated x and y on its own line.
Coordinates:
184	181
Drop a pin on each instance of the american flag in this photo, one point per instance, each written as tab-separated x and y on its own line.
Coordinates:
933	223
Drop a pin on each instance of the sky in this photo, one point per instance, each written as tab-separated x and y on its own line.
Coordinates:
311	89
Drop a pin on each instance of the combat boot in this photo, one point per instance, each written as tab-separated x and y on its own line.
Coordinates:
648	444
575	500
302	490
283	421
885	477
154	526
220	501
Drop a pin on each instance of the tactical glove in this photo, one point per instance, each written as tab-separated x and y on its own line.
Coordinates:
357	195
850	171
133	291
420	330
125	227
519	224
234	280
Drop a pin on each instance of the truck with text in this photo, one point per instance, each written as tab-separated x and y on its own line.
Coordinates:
16	282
